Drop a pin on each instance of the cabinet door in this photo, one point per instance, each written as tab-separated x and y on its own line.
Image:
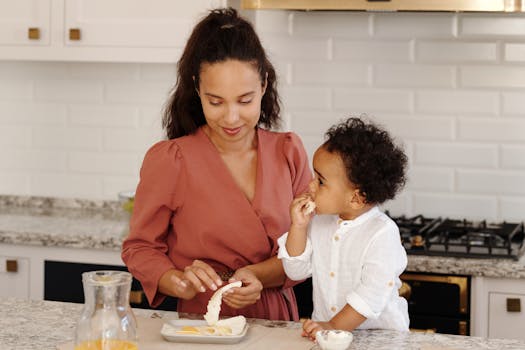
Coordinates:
503	322
14	277
24	22
132	23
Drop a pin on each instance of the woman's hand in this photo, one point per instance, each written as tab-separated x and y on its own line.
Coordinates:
311	327
298	210
248	294
201	276
172	283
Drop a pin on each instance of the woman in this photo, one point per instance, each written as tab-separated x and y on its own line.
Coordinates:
213	199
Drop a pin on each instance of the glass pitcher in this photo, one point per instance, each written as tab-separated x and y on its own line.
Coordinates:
107	321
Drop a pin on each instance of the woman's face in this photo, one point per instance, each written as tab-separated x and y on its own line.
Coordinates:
231	94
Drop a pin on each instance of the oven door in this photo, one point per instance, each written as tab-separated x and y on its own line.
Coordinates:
439	302
63	282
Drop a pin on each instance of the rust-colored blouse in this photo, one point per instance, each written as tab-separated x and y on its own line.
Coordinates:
188	206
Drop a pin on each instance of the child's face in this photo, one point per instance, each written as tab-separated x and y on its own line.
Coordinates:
331	190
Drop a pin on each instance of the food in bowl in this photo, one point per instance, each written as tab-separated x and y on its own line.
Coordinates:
333	339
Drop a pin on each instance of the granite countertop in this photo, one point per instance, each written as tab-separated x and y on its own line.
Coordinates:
42	325
73	223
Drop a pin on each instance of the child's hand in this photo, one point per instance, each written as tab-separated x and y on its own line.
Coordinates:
311	327
298	212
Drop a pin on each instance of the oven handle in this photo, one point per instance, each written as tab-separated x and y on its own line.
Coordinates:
461	282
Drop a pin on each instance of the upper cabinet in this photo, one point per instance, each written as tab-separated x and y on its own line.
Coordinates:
98	30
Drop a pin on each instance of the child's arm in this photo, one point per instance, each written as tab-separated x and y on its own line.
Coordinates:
347	319
296	241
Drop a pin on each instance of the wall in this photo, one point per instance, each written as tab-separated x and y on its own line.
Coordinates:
450	87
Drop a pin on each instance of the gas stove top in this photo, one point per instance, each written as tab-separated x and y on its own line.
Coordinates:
461	238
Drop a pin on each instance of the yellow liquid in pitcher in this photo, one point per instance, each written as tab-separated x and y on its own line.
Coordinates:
106	344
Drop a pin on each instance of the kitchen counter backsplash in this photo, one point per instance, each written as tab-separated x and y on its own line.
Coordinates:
85	224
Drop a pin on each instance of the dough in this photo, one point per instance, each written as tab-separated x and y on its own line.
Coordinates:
214	305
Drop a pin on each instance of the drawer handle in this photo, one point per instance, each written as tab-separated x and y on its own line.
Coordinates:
513	305
136	296
33	33
11	266
74	34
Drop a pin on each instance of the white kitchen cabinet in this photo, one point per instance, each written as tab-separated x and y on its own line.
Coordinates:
28	282
495	304
14	276
98	30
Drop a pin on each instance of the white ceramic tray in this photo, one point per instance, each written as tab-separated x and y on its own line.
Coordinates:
199	338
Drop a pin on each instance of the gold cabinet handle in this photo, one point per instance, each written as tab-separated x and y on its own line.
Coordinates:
135	296
11	266
33	33
513	305
74	34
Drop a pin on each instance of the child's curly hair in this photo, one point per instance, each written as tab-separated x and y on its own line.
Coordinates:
372	161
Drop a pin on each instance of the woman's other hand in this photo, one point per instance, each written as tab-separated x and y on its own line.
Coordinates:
202	276
248	294
311	327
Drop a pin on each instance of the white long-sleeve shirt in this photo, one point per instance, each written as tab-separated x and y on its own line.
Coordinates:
355	262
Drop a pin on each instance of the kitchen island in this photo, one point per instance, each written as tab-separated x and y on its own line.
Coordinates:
42	325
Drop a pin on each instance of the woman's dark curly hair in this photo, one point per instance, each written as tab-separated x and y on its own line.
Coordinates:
220	36
372	161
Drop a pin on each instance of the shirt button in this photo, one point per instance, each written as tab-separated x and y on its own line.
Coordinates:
336	238
333	308
332	274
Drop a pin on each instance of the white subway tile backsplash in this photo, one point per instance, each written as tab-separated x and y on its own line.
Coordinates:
513	157
418	128
492	76
331	74
23	113
491	25
405	75
513	103
430	179
448	86
105	71
456	206
418	25
152	93
304	49
67	185
68	91
457	102
330	24
372	50
14	184
456	154
514	52
64	138
32	160
112	185
512	208
15	90
158	72
490	130
137	141
491	182
116	116
102	163
306	98
455	51
372	100
15	136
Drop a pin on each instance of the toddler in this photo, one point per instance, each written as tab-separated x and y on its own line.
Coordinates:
351	249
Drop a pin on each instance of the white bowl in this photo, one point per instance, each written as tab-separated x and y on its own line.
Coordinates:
334	339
